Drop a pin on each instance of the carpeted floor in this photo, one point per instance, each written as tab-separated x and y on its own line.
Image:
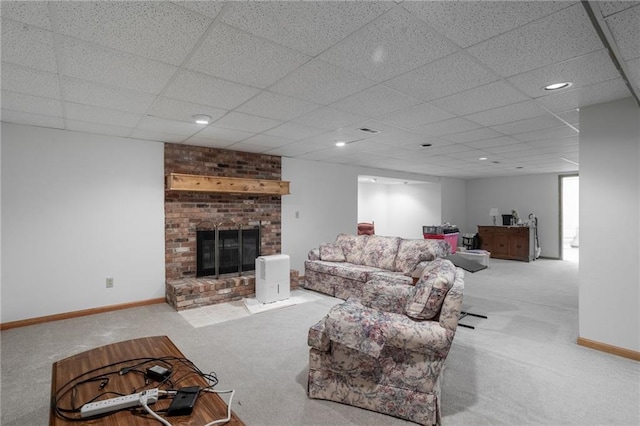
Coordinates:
520	366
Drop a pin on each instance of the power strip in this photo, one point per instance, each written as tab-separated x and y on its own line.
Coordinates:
119	403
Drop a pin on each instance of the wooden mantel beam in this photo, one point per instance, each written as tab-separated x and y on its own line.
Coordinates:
199	183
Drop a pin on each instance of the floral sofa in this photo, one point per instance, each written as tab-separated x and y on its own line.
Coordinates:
341	269
386	350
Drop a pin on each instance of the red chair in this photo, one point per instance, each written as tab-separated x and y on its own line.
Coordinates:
366	228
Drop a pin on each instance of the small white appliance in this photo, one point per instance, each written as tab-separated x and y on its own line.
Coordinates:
272	278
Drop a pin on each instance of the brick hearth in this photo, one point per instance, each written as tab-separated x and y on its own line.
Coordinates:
184	211
190	293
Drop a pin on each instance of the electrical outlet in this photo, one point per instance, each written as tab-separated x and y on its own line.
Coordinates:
109	282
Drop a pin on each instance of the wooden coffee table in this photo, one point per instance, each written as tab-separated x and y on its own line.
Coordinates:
101	361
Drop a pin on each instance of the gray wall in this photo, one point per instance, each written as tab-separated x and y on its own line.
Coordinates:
76	209
400	210
609	223
325	196
536	194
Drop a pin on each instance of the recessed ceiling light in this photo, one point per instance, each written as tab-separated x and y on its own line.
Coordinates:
341	143
558	86
482	158
202	119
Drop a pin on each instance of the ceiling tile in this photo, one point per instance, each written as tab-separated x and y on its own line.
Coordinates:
32	12
634	71
249	147
506	114
95	63
443	77
374	125
624	27
402	138
295	131
530	124
291	150
391	45
589	69
490	143
170	126
246	122
32	119
90	93
472	135
30	81
329	118
152	29
98	129
509	148
469	22
183	111
557	132
309	27
563	35
235	55
28	46
155	135
268	141
275	105
416	116
482	98
206	90
221	134
208	142
206	8
31	104
446	127
610	7
320	82
99	115
596	93
571	117
375	101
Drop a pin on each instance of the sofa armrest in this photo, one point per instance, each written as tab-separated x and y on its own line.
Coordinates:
386	296
314	254
452	303
419	336
318	338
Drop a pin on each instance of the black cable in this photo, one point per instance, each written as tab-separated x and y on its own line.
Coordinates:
170	381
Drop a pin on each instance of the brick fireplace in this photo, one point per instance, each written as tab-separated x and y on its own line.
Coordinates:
188	211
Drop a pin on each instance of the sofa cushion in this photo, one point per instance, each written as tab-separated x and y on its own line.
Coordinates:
352	247
357	327
381	252
331	253
437	278
412	252
342	269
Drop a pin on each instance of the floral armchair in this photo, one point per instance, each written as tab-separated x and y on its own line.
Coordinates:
386	351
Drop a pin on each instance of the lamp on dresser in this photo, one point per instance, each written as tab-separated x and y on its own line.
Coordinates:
494	213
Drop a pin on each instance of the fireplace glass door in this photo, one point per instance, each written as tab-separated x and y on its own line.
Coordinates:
231	258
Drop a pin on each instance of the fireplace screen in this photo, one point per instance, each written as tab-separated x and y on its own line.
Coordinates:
235	251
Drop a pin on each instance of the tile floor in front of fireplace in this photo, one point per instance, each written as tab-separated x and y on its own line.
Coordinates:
222	312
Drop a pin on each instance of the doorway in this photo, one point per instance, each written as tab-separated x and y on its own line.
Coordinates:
570	217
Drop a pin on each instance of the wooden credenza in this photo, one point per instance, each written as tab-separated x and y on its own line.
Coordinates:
508	242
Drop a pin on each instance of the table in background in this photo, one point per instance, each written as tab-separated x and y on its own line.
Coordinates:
209	406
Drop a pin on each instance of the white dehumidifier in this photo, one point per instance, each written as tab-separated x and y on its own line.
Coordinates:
272	278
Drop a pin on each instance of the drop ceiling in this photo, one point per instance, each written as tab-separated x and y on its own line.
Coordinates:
293	78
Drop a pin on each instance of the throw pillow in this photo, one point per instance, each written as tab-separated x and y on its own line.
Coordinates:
430	291
331	253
